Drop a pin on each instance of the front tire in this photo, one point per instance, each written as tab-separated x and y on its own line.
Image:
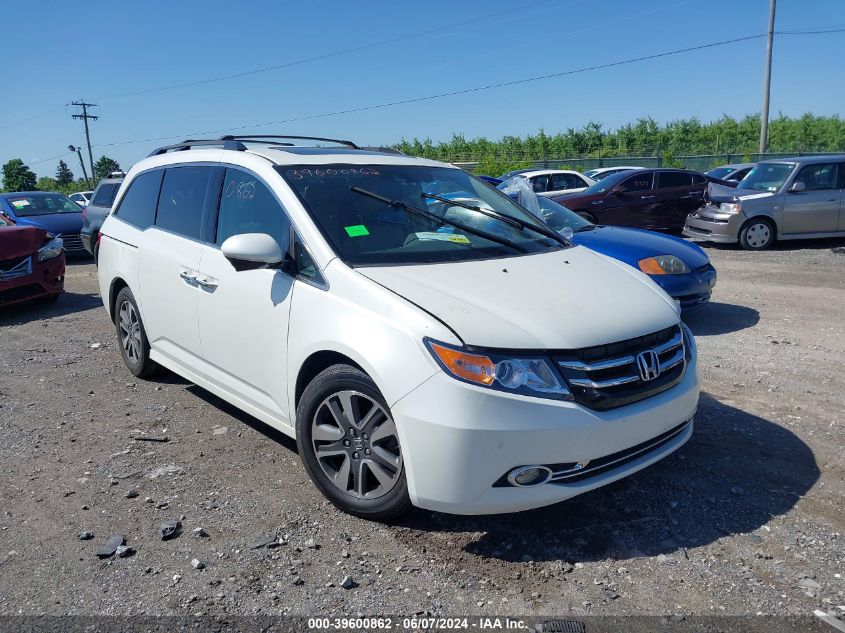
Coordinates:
349	445
757	234
134	347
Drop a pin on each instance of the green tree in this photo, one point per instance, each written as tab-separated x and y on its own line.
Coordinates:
45	183
64	176
17	176
103	167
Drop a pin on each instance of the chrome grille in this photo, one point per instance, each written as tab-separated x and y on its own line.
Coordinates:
14	268
610	376
73	243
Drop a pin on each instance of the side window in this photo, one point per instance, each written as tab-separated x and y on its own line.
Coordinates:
698	179
669	179
540	184
841	183
565	181
739	175
305	266
138	205
818	176
104	195
248	206
640	182
182	200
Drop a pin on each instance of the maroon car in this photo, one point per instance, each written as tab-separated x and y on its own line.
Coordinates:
32	263
656	199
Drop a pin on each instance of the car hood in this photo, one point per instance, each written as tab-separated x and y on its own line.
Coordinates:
560	300
54	222
723	194
632	245
19	241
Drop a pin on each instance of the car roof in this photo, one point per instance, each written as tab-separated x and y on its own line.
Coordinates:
808	160
10	194
736	166
287	155
543	172
600	169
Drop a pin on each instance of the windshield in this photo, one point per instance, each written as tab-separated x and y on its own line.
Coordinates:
767	177
720	172
26	206
367	213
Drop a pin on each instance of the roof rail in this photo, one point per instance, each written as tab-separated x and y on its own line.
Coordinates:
189	143
265	137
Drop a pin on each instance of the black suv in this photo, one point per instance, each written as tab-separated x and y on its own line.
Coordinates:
98	208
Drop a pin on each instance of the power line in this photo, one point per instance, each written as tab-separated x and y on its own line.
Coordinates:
453	93
337	53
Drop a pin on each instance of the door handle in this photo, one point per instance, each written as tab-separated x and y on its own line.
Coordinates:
646	197
186	276
208	284
597	202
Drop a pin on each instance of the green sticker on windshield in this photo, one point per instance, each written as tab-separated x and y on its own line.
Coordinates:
356	231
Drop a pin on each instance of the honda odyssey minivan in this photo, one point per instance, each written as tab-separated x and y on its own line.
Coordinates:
425	339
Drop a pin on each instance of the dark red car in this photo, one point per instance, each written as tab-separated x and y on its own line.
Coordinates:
32	263
657	199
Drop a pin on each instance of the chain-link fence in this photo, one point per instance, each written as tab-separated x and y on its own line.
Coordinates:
700	162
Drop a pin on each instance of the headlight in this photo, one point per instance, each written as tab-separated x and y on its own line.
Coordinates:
663	265
51	249
523	375
730	207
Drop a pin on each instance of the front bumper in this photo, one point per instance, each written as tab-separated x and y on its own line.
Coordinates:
692	289
46	279
458	440
708	224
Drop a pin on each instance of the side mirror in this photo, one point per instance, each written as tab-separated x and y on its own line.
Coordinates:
249	251
797	187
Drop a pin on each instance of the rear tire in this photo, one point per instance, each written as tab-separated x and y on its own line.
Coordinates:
131	336
349	446
757	234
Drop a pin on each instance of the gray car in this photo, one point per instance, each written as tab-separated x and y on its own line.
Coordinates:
97	210
784	199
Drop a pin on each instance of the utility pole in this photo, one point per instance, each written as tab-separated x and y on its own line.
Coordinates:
764	114
78	151
85	116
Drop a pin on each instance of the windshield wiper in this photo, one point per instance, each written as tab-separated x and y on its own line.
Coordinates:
434	218
490	213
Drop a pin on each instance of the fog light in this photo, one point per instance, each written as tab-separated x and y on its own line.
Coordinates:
529	476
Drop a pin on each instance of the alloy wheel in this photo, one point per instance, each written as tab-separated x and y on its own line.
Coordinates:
130	331
758	235
356	445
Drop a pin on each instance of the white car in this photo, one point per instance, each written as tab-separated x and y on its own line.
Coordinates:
604	172
426	340
555	182
82	198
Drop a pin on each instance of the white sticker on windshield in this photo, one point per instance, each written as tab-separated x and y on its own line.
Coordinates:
445	237
19	204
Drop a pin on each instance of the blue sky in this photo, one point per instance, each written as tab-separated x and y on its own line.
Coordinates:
56	52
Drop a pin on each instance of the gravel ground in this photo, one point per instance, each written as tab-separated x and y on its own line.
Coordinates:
745	519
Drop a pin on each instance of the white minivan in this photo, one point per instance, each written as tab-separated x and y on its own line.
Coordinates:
425	339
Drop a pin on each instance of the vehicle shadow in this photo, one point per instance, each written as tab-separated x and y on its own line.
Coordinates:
737	472
786	245
721	318
254	423
37	309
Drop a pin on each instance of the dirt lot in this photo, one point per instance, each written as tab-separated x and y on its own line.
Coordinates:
746	519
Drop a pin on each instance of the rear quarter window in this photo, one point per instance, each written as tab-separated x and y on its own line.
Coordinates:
138	205
104	196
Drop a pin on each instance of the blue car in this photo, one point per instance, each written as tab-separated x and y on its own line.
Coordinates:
680	267
52	212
